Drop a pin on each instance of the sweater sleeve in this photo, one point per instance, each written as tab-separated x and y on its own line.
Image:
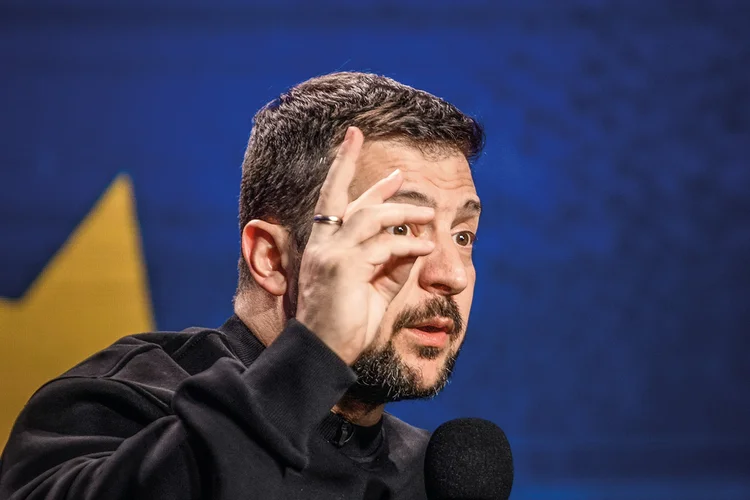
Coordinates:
232	432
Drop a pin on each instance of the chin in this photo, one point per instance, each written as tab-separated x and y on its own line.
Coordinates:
403	369
431	368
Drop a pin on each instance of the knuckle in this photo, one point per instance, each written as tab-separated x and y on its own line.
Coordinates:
365	216
351	209
385	213
368	212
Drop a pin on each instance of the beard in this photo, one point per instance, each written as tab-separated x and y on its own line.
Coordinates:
384	377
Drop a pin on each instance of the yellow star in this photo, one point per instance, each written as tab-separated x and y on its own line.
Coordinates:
92	292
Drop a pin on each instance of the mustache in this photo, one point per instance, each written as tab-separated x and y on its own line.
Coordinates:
439	306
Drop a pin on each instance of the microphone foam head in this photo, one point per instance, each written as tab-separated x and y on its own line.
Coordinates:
468	458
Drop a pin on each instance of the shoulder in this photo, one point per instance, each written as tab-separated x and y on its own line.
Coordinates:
156	359
113	394
406	448
136	376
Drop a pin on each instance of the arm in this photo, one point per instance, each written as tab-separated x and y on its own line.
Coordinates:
231	431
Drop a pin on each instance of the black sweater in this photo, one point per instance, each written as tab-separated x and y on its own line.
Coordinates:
207	414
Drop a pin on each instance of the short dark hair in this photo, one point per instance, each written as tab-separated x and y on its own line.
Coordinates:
295	136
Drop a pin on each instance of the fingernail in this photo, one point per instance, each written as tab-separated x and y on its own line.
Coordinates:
349	132
394	173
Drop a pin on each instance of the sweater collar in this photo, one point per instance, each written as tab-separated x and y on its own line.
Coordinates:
243	342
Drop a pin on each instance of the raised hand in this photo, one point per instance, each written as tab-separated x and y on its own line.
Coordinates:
351	271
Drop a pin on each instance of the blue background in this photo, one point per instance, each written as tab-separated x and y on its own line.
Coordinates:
609	335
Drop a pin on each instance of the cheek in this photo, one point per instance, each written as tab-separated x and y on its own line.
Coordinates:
386	323
397	305
408	295
465	298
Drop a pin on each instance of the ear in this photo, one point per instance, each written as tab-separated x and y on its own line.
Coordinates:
265	250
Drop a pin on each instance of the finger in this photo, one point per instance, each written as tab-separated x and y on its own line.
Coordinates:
371	220
334	194
378	192
383	247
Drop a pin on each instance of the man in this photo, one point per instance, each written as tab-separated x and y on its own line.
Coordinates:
357	213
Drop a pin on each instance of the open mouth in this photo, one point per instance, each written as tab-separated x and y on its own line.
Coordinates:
435	325
430	329
435	332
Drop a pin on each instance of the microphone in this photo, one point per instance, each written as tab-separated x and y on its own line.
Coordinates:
468	459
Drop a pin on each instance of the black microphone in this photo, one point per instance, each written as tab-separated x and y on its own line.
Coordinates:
468	459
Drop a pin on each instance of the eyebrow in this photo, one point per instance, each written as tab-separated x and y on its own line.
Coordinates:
472	207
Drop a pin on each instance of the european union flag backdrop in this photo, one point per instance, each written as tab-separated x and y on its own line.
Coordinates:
610	330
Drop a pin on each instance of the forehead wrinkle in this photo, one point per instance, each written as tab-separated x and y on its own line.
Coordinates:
379	158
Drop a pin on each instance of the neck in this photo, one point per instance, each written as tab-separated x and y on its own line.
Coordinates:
265	318
359	413
261	315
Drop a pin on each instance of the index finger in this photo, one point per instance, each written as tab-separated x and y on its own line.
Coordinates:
334	194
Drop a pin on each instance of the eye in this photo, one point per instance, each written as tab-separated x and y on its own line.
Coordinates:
402	230
465	238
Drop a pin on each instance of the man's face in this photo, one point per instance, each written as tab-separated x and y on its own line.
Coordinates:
424	326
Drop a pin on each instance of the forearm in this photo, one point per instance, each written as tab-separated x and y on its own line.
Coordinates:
88	439
231	431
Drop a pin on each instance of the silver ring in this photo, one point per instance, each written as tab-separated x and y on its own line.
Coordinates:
328	219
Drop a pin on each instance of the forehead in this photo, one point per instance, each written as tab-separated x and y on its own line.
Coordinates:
447	178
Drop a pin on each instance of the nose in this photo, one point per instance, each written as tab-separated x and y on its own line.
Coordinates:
443	272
